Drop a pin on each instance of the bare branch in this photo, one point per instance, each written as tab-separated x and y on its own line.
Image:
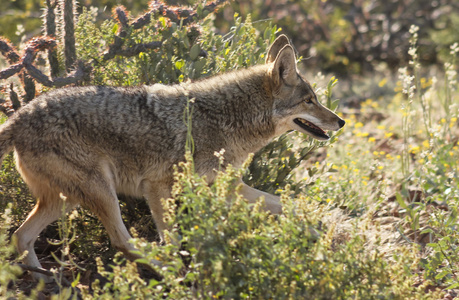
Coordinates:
8	51
50	30
79	74
32	48
11	70
142	21
72	78
38	75
29	86
175	14
133	50
14	98
5	108
121	16
212	6
69	33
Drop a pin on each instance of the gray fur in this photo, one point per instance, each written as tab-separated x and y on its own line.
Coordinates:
92	143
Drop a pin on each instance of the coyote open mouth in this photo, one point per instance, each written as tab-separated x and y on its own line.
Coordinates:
311	128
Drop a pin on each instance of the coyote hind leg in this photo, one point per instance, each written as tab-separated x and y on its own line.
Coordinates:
89	185
47	210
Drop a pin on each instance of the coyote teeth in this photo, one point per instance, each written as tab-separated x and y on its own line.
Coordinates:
309	126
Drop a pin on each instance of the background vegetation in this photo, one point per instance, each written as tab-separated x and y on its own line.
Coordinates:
372	213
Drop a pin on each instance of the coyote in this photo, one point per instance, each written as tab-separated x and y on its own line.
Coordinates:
91	143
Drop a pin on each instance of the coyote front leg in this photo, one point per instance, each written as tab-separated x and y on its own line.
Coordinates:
272	203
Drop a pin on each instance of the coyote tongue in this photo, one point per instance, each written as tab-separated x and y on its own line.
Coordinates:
311	128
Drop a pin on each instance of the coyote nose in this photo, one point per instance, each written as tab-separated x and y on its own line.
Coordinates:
341	123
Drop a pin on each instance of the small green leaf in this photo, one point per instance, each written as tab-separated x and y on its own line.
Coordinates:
115	28
199	65
415	224
427	230
142	261
179	64
267	33
292	162
76	281
400	201
452	217
194	51
186	41
453	286
334	104
441	274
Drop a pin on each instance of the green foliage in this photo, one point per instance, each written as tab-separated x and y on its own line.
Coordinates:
344	37
239	251
187	52
27	15
349	37
446	35
8	272
441	264
21	14
435	171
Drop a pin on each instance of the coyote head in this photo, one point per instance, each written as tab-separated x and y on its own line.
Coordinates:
295	104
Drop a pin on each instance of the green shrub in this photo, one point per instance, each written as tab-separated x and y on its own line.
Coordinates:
237	251
8	271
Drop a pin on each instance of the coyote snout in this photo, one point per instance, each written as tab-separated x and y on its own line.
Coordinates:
316	120
93	143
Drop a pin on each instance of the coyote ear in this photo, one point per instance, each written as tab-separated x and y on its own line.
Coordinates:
284	68
278	44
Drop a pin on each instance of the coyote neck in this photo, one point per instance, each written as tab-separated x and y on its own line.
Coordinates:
240	103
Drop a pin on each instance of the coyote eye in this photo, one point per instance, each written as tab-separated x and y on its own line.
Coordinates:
308	100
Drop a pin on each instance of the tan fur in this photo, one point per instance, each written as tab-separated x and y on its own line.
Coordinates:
92	143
